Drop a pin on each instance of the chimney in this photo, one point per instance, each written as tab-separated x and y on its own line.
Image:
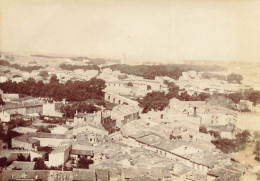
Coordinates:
195	108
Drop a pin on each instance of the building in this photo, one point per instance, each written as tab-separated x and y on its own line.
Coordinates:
32	108
118	99
52	109
81	119
77	153
25	142
59	156
9	97
124	114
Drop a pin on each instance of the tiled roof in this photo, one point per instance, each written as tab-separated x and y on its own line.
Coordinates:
26	138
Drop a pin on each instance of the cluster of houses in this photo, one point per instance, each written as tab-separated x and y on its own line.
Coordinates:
193	82
123	143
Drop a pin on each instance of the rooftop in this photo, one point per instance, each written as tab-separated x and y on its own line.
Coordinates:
18	165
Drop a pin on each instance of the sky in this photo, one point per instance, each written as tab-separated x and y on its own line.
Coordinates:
143	30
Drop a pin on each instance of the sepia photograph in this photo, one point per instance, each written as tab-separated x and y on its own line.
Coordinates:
129	90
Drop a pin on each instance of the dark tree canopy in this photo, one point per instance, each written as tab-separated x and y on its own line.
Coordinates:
39	164
44	73
151	71
19	67
155	101
70	109
257	151
1	100
43	129
234	78
84	163
71	91
74	67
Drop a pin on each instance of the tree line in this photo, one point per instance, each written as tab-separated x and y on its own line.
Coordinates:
74	67
71	91
19	67
230	78
160	100
151	71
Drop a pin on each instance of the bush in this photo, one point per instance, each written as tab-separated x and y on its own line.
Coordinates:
43	129
203	129
84	163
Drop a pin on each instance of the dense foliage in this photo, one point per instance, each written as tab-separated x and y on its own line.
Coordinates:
9	135
228	145
74	67
44	73
4	162
71	91
70	109
19	67
231	78
84	162
234	78
43	129
39	164
1	100
257	151
151	71
154	101
160	100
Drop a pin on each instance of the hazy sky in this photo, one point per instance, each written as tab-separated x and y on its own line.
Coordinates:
143	30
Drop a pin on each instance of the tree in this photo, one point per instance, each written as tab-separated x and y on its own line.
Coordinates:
3	162
130	84
2	131
21	157
39	164
257	151
214	133
122	76
185	96
9	135
1	100
254	97
203	96
84	163
203	129
54	79
44	73
234	78
235	97
154	100
43	129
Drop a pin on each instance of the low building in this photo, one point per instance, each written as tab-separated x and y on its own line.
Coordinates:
59	156
124	114
52	109
25	142
82	119
77	153
9	97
